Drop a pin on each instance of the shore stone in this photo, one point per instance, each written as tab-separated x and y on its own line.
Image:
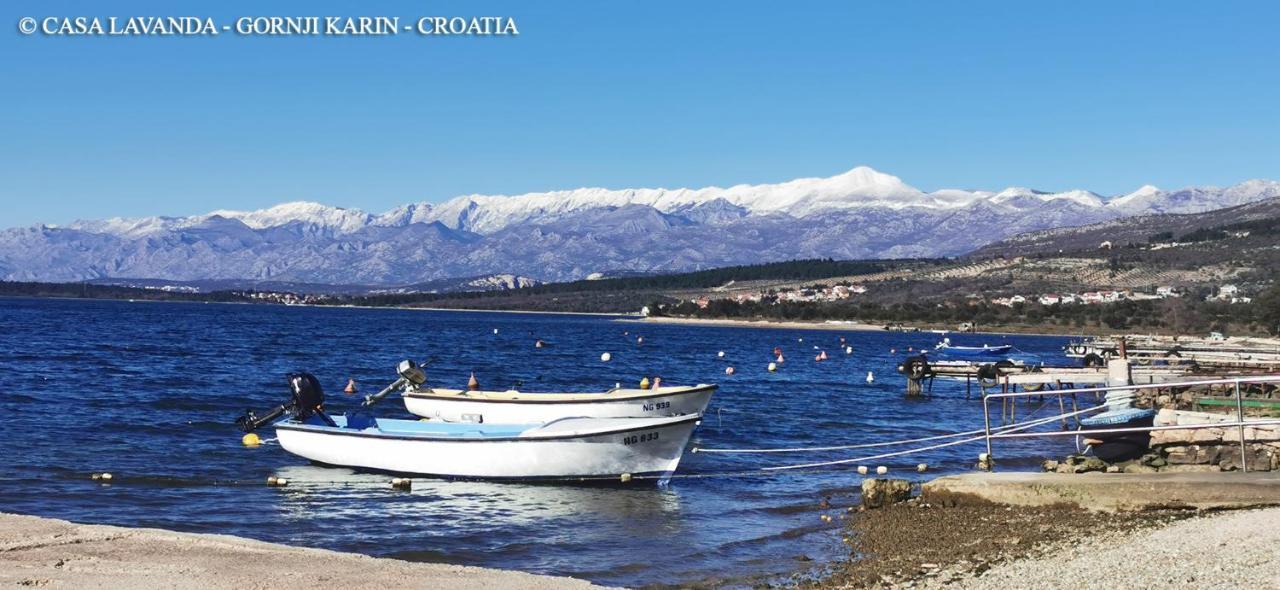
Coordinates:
1049	465
1139	468
882	492
1189	468
1090	464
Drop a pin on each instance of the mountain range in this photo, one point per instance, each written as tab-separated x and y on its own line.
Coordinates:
571	234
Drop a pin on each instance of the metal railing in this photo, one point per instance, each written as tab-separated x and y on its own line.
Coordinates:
1240	423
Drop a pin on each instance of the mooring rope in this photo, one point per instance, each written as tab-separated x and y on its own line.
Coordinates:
892	443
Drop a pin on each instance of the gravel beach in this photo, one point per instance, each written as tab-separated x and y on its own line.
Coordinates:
1217	550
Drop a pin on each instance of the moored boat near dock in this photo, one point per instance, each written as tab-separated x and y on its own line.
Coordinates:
613	449
456	405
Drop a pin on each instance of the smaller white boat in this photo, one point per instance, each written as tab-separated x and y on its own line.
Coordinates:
518	407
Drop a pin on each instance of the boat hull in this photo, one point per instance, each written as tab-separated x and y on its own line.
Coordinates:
496	410
648	449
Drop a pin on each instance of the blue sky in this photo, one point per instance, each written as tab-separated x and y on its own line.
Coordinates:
1098	95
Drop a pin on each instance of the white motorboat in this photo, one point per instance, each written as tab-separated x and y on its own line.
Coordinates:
518	407
593	449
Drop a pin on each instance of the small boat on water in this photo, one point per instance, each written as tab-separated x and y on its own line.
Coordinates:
457	405
610	449
568	448
946	347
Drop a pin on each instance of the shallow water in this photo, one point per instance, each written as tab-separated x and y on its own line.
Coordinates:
149	392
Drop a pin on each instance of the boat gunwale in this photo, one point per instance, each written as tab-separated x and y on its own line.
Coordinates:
340	431
603	397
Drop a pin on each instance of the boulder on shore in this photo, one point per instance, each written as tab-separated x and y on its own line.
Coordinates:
883	492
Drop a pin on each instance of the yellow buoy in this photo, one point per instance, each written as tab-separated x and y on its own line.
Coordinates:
644	383
250	440
626	477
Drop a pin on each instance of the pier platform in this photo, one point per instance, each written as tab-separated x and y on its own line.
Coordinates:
1112	492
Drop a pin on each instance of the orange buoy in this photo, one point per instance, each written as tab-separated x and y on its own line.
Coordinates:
473	383
350	388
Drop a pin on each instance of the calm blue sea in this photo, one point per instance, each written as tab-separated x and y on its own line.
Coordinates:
149	392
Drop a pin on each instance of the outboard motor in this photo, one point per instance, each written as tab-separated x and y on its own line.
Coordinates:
306	400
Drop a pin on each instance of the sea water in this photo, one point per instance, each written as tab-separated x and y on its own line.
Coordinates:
149	392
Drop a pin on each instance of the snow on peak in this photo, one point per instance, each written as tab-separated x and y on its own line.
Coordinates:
336	218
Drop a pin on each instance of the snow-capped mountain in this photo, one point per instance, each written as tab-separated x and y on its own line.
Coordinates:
573	233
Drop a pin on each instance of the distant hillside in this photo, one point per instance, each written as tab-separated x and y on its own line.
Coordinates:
1135	230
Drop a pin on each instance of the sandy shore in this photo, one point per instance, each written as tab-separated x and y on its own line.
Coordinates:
51	553
839	326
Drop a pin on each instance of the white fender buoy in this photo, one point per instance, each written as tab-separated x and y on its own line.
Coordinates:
922	467
728	370
773	367
862	470
605	357
639	339
871	377
848	350
495	330
720	354
881	470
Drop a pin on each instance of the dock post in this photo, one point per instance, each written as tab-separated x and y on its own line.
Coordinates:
1244	453
986	424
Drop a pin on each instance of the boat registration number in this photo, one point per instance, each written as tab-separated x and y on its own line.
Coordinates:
657	406
636	439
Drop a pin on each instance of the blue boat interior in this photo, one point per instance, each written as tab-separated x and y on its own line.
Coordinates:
392	426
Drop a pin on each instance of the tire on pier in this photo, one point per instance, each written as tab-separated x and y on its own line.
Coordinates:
916	367
1093	360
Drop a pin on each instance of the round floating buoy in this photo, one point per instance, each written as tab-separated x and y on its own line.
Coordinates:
826	518
871	377
881	470
842	340
639	339
350	388
473	383
281	482
605	357
911	349
539	343
106	476
862	470
893	351
922	467
495	330
644	383
624	478
272	480
773	367
401	483
250	440
848	350
720	354
728	370
617	385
